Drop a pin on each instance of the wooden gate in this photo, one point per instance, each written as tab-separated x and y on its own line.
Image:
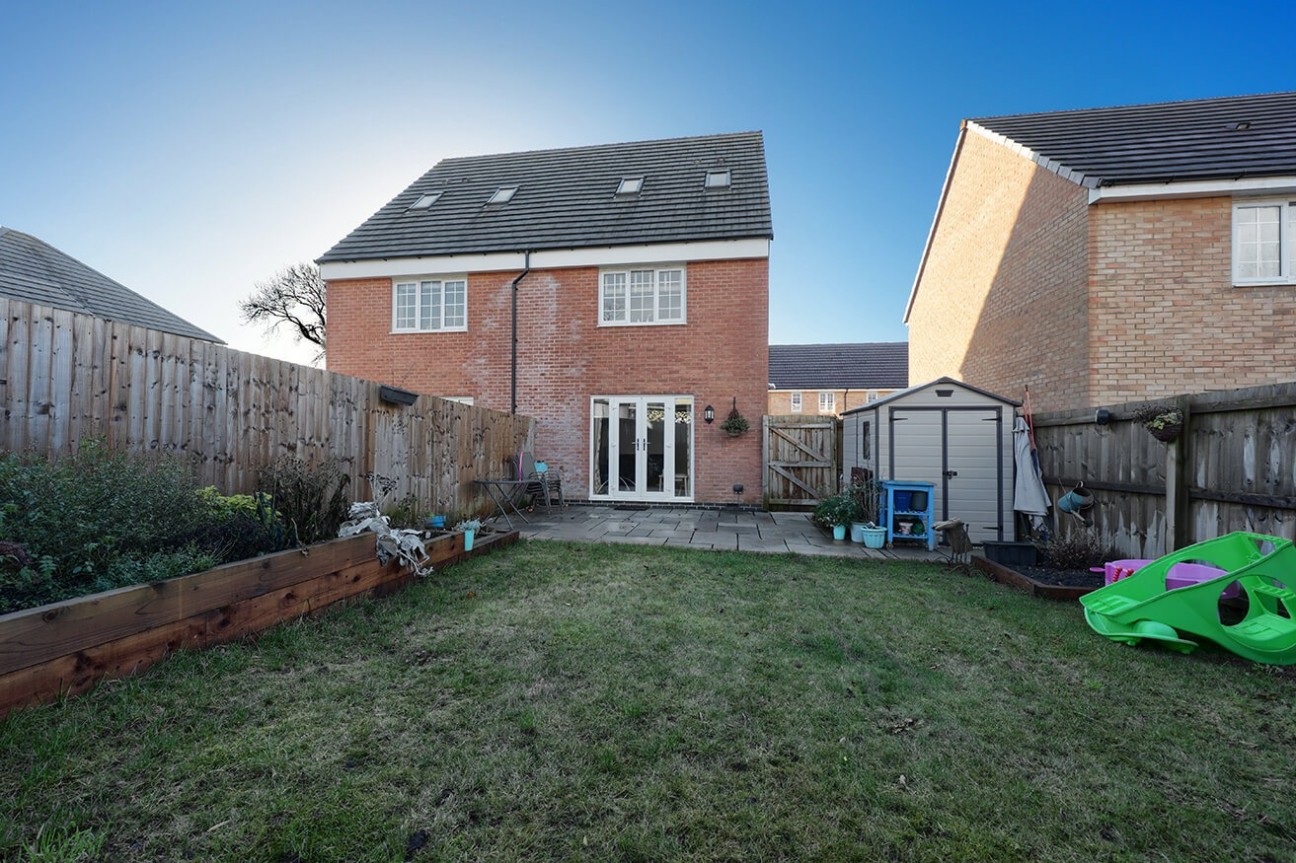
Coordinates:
802	459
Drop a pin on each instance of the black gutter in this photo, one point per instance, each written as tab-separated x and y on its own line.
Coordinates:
526	268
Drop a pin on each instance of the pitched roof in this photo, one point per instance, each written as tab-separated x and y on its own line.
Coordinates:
35	272
866	365
568	199
1202	139
892	398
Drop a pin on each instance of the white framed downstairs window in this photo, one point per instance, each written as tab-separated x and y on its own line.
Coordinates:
430	305
796	401
641	297
1263	233
827	403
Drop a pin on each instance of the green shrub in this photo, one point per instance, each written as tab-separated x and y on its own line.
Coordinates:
100	520
312	501
239	526
79	521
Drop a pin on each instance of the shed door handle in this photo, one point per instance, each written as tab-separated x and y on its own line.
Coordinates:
950	473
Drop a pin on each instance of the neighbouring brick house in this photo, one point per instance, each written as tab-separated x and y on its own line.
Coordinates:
33	271
1114	254
638	277
831	379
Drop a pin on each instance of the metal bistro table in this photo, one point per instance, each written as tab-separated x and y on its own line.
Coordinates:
502	493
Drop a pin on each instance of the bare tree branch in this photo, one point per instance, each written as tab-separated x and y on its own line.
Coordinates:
295	296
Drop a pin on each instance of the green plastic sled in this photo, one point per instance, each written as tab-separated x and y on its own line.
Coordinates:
1140	608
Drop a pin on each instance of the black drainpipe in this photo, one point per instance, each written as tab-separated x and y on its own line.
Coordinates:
526	268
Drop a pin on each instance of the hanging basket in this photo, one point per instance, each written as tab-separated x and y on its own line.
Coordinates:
1167	432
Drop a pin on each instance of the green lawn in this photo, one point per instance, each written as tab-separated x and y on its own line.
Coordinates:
568	702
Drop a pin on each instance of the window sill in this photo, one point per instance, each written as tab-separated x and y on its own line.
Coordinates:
642	323
428	332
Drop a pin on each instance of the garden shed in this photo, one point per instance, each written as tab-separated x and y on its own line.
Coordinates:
955	436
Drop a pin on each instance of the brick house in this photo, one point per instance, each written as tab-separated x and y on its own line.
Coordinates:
1114	254
635	277
831	379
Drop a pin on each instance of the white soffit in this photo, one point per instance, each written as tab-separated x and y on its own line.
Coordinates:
711	250
1194	189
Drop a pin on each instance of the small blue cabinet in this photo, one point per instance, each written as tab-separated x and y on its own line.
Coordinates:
907	512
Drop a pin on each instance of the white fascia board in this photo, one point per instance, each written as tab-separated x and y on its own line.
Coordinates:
710	250
1194	189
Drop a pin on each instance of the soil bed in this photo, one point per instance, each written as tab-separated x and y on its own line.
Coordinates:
1062	577
1066	584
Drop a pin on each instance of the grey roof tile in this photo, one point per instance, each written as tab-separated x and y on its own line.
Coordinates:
567	199
1162	142
33	271
864	365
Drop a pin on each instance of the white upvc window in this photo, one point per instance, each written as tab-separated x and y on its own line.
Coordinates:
1263	235
638	297
437	304
796	402
827	403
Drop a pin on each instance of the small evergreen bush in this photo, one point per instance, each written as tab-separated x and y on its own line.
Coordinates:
94	520
101	519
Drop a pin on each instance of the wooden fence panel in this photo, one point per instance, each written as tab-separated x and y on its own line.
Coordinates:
1238	450
64	377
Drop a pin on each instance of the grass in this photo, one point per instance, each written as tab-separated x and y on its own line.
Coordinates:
569	702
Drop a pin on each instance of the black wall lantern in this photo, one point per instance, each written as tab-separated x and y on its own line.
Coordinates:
708	414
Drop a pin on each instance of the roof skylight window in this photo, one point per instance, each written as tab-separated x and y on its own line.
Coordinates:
630	186
425	201
718	178
503	195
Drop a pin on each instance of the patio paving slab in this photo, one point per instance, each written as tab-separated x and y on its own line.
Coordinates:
710	529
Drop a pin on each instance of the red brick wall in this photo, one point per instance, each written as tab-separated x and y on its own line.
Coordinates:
1166	317
1002	300
564	358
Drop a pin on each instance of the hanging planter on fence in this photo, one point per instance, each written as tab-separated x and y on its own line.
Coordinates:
1164	424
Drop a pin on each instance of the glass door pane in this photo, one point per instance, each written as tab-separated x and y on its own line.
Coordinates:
599	443
656	448
683	469
628	445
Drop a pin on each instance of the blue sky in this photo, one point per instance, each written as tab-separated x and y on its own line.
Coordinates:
190	150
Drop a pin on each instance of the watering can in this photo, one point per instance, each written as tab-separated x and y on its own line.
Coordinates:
1075	500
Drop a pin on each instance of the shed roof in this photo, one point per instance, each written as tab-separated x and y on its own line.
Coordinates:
903	394
862	365
568	199
1201	139
33	271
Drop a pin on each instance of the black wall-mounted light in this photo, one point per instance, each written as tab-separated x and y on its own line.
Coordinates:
708	414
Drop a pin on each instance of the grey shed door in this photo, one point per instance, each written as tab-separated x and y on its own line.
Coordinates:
959	451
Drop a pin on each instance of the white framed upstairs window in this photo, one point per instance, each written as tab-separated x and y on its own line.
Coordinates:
796	402
641	297
827	403
1263	234
430	305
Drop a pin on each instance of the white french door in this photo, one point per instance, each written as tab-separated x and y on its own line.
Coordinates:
641	448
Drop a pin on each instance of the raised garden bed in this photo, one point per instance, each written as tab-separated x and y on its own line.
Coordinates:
1064	584
66	648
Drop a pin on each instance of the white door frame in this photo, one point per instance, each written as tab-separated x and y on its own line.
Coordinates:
646	454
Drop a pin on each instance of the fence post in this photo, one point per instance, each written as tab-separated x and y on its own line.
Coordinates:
1178	528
